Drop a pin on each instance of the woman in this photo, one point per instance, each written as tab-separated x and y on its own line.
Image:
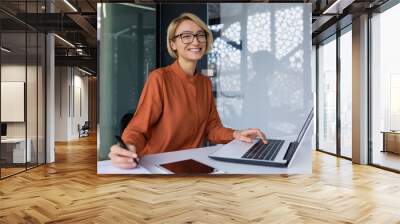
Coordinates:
176	109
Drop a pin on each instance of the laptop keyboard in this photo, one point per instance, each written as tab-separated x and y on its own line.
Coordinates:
263	151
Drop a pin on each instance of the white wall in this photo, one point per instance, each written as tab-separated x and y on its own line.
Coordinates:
12	101
79	117
61	103
70	83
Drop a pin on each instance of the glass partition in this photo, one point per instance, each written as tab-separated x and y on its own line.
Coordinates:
22	91
127	32
13	108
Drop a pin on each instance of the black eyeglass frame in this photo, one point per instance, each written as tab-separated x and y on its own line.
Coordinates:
193	36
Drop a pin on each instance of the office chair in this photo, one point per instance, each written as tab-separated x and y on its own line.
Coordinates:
84	130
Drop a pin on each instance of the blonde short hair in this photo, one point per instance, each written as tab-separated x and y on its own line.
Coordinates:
175	23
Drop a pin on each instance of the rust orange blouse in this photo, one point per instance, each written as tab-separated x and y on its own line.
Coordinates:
175	111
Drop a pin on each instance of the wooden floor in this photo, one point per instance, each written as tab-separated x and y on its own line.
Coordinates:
10	171
70	191
387	159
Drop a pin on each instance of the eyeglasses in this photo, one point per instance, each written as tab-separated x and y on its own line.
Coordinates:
188	38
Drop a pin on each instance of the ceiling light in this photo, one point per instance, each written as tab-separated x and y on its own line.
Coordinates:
70	5
65	41
5	50
84	71
337	7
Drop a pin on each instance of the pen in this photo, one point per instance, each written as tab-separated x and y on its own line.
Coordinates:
123	145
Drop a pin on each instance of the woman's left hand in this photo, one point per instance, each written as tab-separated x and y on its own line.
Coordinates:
248	135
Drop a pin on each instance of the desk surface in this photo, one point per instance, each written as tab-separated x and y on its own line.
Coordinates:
391	132
13	140
150	163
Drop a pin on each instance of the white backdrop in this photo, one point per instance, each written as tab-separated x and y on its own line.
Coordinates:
12	101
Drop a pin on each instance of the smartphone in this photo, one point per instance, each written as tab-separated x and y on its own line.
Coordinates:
189	166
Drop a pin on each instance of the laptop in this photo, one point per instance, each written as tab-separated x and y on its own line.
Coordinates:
276	153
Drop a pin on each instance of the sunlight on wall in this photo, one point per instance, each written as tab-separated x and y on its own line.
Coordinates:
259	32
289	30
226	54
232	33
296	61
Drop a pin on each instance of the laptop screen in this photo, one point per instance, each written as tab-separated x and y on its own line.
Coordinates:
293	145
305	126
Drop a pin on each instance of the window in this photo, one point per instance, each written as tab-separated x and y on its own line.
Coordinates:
346	93
385	89
327	95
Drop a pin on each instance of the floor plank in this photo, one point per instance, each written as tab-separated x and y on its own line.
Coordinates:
70	191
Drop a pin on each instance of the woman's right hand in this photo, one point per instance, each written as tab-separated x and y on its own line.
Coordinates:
123	158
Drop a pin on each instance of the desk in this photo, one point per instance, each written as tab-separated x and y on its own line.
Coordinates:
150	163
391	141
16	148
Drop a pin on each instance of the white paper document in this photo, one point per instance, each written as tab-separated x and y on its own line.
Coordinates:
106	167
